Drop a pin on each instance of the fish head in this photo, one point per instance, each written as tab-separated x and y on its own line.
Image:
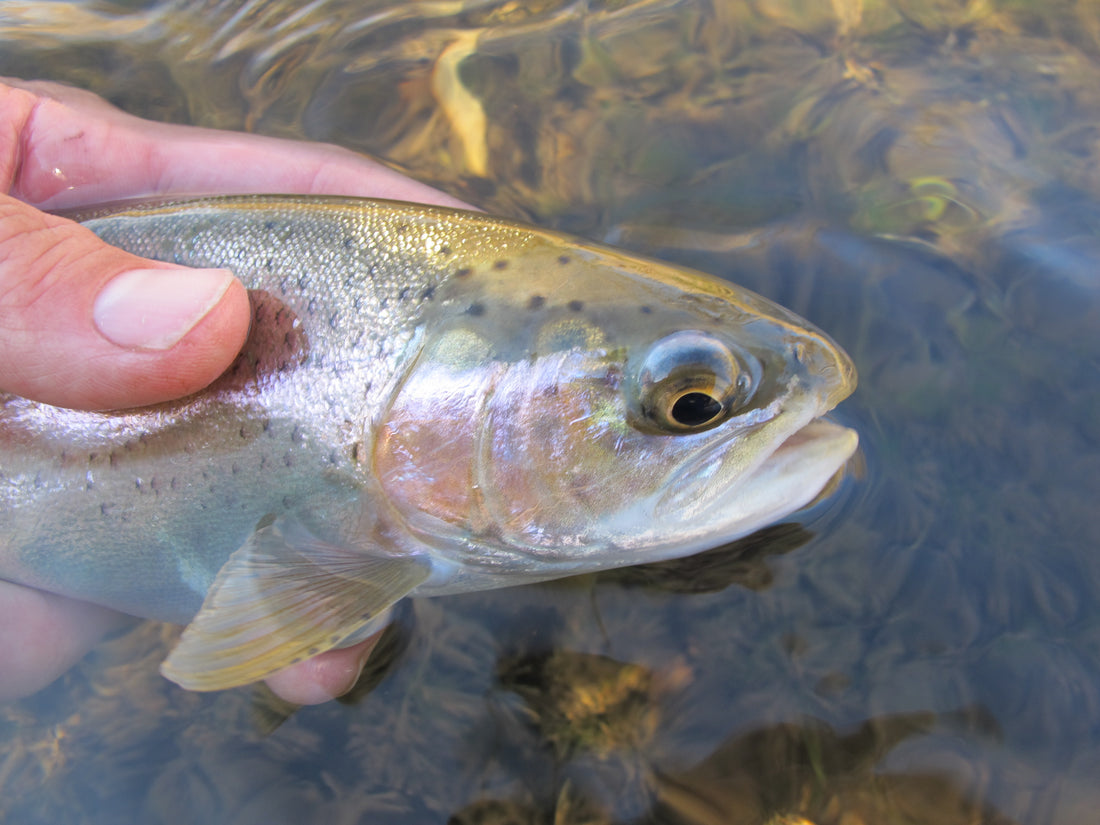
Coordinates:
617	412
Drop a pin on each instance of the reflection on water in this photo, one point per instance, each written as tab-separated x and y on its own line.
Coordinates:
919	178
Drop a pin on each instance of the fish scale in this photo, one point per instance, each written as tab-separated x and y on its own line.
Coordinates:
429	401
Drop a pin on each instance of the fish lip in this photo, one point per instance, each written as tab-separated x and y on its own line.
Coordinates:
815	429
822	447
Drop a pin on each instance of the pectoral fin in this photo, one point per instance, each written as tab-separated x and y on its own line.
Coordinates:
283	597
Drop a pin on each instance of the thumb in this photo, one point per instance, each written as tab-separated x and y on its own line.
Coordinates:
85	325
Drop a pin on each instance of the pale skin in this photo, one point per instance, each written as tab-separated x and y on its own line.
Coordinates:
69	306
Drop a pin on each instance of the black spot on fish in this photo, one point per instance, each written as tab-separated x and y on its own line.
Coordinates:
288	459
427	294
501	264
476	310
334	639
403	294
402	228
575	306
444	250
349	243
564	259
269	225
464	272
269	264
313	651
645	310
536	302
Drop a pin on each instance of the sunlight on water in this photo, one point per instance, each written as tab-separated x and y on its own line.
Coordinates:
916	177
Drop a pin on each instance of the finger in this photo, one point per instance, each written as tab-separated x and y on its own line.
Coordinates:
77	150
85	325
323	677
42	635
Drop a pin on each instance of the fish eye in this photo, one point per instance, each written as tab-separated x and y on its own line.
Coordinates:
688	382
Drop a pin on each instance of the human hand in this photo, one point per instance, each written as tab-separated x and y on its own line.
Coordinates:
85	325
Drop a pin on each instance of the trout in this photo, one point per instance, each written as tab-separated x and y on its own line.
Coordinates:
430	401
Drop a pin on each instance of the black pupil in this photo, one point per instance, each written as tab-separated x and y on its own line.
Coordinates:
693	409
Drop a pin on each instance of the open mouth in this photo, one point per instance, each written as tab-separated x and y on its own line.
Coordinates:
750	497
817	451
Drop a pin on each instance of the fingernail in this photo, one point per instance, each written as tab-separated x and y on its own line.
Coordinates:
155	308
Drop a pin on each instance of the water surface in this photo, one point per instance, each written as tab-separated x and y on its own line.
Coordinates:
918	178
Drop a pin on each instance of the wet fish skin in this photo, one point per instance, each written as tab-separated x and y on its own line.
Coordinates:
430	401
282	411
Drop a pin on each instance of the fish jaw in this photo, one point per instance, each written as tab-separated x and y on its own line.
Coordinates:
786	480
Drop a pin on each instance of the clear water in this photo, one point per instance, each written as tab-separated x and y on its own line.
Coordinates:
917	177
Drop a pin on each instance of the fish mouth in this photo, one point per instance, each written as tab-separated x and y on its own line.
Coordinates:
727	496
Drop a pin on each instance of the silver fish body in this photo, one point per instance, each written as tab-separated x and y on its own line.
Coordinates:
429	401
